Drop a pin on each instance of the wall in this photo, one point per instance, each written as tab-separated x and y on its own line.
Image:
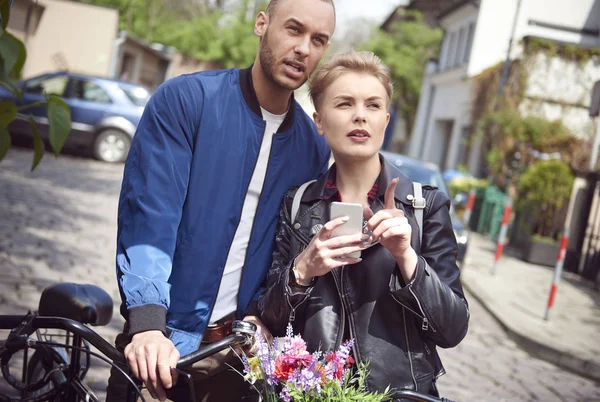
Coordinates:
183	64
18	19
559	89
72	35
495	22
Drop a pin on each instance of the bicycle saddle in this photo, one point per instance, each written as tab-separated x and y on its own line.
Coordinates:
87	304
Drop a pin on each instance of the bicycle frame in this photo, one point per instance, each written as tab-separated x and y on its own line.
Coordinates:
27	325
30	323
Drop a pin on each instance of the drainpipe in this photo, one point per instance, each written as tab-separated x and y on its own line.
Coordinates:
114	60
506	66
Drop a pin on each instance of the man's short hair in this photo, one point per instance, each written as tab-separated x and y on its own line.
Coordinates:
272	7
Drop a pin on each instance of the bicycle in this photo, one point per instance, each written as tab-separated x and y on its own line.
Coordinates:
55	371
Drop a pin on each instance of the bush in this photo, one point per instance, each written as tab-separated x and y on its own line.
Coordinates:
545	189
465	184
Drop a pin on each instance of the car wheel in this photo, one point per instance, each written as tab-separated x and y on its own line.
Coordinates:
111	146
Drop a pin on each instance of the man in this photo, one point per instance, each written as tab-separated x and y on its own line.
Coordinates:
211	160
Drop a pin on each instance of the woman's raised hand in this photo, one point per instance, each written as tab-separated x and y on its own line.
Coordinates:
325	253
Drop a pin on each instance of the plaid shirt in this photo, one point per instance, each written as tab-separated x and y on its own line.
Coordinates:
332	193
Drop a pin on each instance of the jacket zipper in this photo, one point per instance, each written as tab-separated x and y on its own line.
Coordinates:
342	327
237	301
410	362
425	324
292	315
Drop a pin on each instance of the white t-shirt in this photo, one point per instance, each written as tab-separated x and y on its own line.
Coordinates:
226	302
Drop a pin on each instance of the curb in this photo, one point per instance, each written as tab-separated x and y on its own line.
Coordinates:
568	361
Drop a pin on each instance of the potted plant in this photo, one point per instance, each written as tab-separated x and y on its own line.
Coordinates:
544	192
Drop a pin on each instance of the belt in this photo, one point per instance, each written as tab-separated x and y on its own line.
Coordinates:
219	330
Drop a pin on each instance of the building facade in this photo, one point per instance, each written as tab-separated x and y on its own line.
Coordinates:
481	34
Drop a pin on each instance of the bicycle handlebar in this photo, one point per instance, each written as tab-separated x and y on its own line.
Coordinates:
237	338
77	328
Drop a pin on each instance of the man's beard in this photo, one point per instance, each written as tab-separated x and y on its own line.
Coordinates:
267	62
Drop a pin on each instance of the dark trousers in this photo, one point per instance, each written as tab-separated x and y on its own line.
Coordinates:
213	380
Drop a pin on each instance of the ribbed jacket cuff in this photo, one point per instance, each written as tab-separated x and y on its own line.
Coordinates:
151	317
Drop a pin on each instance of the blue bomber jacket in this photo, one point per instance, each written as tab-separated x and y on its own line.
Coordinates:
184	183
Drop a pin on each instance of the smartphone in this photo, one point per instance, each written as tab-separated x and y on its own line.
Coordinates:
354	224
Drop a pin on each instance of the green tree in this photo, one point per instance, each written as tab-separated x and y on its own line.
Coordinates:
405	49
12	60
545	189
203	29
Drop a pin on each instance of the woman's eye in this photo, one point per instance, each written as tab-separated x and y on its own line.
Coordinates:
375	106
343	104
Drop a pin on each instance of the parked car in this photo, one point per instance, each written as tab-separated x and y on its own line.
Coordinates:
104	112
429	173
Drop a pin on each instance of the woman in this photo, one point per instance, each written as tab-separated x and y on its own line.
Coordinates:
402	297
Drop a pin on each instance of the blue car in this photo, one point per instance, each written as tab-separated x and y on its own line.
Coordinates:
105	113
429	173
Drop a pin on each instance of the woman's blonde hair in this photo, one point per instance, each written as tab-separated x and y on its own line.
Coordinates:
351	61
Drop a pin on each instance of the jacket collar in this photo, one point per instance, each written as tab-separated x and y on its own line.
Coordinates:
249	93
388	172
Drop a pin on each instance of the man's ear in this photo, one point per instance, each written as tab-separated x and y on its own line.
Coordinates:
261	24
317	120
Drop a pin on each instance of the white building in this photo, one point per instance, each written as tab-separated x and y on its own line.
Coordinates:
477	36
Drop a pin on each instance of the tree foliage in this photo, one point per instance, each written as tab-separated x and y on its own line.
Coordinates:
545	189
405	49
204	29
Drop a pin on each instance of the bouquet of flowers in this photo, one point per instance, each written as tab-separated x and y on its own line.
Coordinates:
283	370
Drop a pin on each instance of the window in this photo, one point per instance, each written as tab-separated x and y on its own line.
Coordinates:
88	91
452	49
54	85
460	47
139	96
470	34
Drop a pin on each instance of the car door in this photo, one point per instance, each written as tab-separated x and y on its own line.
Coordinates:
89	103
36	90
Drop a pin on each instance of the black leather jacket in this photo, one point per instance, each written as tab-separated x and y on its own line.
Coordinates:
396	327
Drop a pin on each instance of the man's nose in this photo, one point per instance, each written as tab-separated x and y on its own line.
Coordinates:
303	46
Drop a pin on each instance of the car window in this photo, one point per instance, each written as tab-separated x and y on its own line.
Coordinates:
138	96
424	175
46	85
88	91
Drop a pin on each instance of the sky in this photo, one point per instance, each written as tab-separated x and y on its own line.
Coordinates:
376	10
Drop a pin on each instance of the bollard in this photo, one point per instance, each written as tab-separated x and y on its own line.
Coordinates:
469	207
557	272
502	235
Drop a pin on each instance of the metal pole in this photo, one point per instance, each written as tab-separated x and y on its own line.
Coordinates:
502	235
595	147
557	273
505	67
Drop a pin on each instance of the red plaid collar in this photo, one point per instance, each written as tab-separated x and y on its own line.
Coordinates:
331	192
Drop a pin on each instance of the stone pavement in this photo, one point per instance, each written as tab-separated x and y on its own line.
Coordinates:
517	296
59	224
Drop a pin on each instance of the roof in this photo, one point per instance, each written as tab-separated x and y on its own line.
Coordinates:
432	10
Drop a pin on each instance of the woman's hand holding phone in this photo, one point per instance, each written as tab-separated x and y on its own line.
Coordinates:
325	252
391	228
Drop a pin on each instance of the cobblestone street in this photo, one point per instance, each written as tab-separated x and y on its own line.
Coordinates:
59	224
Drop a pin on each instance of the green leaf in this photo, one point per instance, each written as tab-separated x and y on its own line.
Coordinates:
4	142
8	112
4	12
11	87
59	116
38	144
13	54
